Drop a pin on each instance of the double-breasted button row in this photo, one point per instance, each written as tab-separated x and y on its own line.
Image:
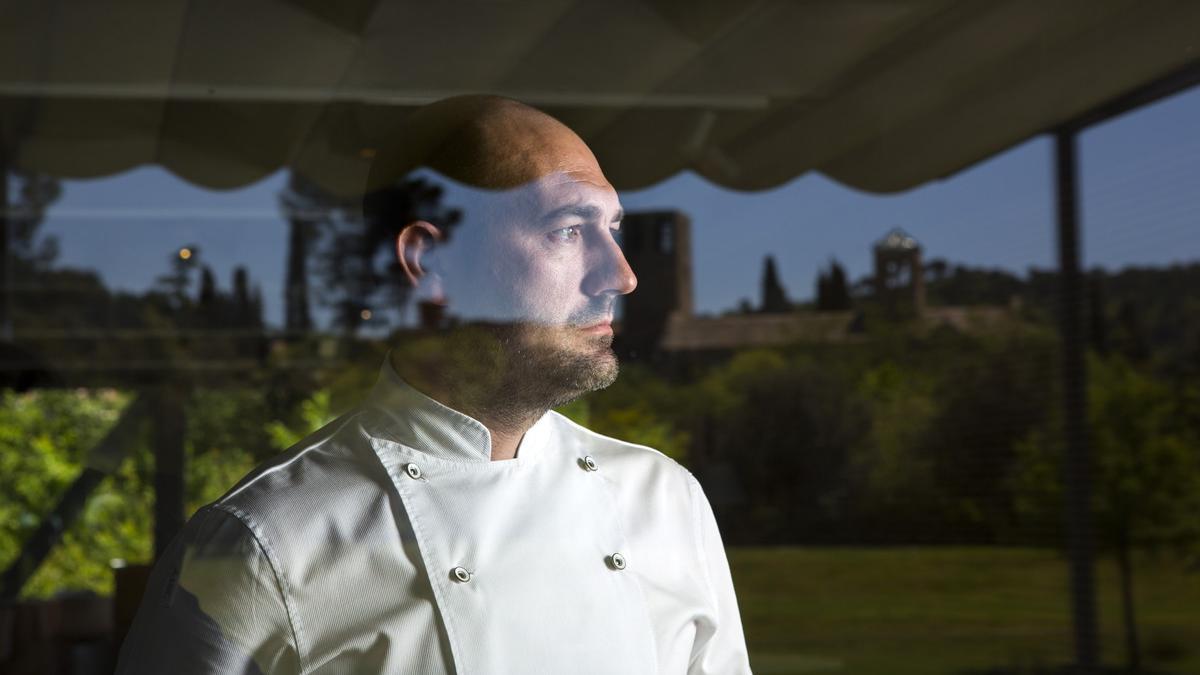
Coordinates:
462	575
414	471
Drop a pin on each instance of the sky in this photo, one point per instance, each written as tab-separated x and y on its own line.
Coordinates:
1139	183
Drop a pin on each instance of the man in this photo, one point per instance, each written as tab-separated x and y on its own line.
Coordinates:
450	523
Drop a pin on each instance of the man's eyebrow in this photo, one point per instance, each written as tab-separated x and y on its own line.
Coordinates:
585	211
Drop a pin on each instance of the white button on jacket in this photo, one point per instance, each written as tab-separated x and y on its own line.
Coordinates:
389	542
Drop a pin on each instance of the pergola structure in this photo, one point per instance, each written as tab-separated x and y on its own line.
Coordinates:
882	95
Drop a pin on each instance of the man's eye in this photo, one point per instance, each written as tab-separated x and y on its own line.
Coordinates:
567	234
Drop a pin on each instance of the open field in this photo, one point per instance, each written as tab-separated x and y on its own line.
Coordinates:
948	610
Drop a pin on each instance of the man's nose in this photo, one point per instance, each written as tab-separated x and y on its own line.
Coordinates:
610	272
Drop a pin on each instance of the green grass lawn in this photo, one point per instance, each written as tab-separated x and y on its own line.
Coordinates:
947	610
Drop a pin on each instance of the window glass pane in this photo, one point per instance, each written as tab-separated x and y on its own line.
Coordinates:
650	336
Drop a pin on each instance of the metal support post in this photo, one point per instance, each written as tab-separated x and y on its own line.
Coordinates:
1077	466
170	426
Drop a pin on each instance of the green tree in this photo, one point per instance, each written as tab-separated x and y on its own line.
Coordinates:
1146	471
176	283
991	393
314	412
896	496
788	427
641	407
45	439
774	297
833	293
226	439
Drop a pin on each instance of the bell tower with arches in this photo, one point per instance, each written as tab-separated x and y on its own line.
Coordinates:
899	278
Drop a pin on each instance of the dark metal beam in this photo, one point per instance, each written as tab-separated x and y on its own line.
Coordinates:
170	429
1077	457
5	271
48	533
1077	461
1175	82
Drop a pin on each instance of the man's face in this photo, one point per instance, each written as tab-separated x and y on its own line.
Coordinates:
545	270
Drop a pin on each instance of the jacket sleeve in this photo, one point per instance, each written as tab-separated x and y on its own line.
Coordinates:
213	604
720	646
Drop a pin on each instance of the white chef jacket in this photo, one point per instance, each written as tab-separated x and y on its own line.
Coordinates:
389	542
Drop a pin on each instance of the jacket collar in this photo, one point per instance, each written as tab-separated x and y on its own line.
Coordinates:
411	418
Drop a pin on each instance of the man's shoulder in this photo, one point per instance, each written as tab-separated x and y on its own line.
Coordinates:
650	489
622	457
330	465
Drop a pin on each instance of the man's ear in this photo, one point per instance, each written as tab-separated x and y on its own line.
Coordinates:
413	245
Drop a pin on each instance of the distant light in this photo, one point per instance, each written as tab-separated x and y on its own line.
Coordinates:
116	563
185	253
365	314
367	153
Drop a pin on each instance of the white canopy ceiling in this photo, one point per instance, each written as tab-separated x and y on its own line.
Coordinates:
879	94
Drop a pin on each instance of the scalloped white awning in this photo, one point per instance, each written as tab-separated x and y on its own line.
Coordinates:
880	95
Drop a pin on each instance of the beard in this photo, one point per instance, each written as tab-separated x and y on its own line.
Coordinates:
560	363
551	366
508	374
542	365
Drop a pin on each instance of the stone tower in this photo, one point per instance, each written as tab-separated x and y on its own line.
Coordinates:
899	281
658	246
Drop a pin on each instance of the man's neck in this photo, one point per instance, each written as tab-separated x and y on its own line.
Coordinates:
480	393
505	444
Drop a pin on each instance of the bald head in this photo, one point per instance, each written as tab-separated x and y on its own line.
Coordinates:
542	269
487	142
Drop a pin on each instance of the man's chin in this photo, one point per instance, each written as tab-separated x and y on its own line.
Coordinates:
601	372
564	361
589	358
